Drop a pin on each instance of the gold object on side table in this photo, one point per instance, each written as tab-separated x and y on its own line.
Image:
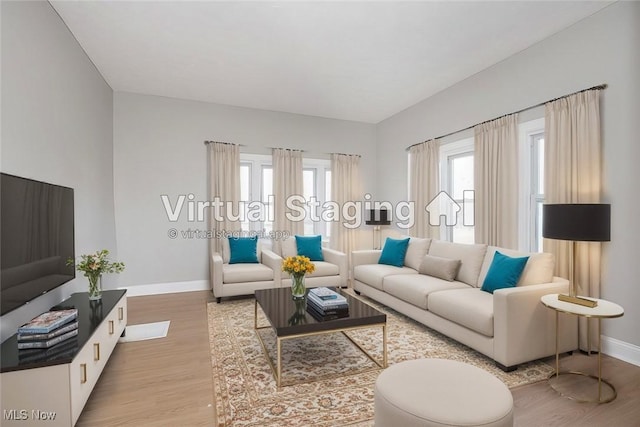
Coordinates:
577	300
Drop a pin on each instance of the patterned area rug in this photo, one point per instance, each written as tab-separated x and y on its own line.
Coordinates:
336	378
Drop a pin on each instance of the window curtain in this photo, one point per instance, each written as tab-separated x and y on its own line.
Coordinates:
424	185
345	187
496	182
573	174
224	184
287	182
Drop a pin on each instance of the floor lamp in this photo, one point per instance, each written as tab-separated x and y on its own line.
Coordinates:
576	222
377	218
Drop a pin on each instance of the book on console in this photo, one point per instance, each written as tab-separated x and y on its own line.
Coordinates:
48	343
47	322
43	337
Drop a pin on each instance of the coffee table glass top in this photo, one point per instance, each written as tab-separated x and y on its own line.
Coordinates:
290	317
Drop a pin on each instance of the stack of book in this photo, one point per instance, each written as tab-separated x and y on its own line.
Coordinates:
326	304
48	329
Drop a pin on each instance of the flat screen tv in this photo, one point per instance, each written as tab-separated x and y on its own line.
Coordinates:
36	234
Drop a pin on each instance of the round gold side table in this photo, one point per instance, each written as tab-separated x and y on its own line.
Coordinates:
604	309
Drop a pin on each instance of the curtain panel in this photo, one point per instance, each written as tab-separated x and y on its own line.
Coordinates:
496	182
287	182
346	186
573	174
424	185
223	161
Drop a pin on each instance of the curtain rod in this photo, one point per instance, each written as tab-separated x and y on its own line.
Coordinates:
345	154
222	142
598	87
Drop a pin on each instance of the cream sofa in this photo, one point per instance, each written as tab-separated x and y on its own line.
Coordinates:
510	326
330	272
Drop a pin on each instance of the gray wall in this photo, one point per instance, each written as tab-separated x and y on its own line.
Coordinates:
159	149
604	48
57	126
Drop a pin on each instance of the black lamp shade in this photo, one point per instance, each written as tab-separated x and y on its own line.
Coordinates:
377	217
587	222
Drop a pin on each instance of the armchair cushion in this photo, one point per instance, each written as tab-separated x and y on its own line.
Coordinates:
324	269
240	273
226	251
243	250
310	246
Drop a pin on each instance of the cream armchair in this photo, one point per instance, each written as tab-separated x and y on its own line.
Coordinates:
245	278
330	272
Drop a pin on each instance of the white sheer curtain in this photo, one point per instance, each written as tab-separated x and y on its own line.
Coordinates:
496	182
424	185
287	182
573	174
346	186
224	184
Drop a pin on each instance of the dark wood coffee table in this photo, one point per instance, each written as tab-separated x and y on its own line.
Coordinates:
289	320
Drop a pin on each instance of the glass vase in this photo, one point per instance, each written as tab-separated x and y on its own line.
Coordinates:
95	287
298	288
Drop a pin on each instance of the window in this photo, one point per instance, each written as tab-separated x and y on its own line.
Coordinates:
256	184
531	140
456	179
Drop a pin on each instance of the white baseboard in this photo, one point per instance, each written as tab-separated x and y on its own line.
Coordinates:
621	350
167	288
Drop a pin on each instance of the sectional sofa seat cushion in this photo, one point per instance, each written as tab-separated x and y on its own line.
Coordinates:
539	268
374	274
240	273
416	288
471	256
417	249
471	308
226	250
324	269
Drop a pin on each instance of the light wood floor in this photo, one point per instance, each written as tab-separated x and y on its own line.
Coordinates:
168	382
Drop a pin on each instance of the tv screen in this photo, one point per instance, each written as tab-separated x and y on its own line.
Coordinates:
36	234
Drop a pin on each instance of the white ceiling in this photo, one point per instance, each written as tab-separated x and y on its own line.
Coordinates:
362	61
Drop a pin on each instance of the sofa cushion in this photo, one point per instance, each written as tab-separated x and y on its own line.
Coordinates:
310	246
226	250
241	273
324	269
442	268
415	288
472	257
504	272
373	274
243	250
471	308
288	247
394	252
416	250
539	268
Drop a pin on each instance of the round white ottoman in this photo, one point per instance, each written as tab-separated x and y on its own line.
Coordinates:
439	392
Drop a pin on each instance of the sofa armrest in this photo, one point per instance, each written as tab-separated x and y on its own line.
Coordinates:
524	329
216	274
338	258
370	256
274	262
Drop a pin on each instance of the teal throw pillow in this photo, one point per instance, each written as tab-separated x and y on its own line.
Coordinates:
394	251
504	272
310	246
243	250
